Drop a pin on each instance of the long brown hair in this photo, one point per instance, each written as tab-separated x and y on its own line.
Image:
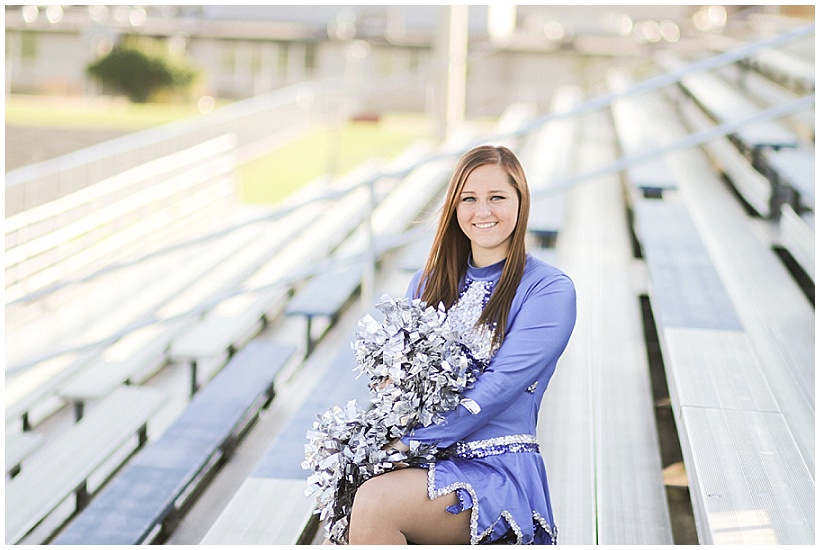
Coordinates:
447	263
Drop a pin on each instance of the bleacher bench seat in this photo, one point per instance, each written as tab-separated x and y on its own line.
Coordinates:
633	118
147	353
18	447
546	218
793	169
686	288
210	342
725	104
63	465
270	506
748	481
325	296
146	496
548	155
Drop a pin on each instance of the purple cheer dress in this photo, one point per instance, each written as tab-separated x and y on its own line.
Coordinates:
492	458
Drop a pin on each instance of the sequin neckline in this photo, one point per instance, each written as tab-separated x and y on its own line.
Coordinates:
475	292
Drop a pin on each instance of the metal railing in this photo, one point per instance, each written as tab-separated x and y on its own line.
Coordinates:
252	121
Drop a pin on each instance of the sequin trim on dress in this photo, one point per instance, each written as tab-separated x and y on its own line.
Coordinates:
532	387
538	521
551	530
521	443
475	537
433	494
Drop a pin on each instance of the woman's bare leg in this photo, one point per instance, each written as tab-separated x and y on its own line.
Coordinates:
394	507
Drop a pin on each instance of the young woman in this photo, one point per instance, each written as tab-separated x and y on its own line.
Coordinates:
515	315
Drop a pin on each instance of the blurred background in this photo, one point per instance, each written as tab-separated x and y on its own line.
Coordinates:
178	175
386	56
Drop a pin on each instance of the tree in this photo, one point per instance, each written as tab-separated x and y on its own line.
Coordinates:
141	71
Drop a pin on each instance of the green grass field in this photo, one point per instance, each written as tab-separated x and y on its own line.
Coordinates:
267	179
326	152
103	114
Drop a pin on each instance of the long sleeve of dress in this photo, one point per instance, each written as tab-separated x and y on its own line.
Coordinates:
542	317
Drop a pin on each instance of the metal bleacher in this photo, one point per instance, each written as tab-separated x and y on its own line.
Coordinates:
684	211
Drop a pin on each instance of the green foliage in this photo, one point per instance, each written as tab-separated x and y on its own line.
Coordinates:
141	71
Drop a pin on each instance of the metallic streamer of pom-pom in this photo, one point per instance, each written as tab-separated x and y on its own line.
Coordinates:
417	370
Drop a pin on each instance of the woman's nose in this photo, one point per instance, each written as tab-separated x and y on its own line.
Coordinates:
483	209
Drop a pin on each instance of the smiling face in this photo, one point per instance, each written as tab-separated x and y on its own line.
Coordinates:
487	213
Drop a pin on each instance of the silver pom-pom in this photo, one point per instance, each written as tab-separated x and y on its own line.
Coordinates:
417	369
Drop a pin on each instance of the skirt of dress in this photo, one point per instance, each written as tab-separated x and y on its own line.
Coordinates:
507	495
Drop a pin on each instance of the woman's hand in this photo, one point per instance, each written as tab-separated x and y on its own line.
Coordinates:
398	445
